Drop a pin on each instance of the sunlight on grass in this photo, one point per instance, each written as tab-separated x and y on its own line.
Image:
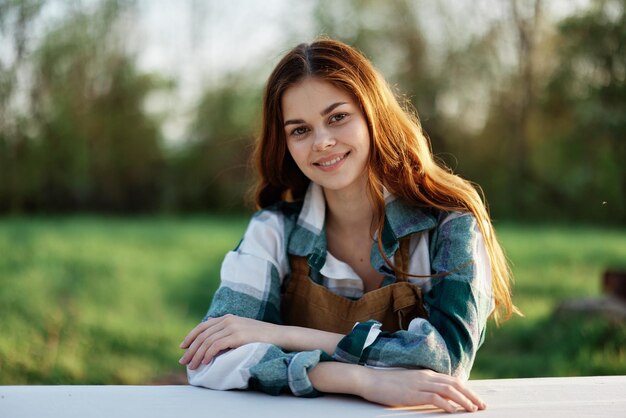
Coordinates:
550	265
101	301
104	300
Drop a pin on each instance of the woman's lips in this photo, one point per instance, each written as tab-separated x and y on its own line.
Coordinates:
331	160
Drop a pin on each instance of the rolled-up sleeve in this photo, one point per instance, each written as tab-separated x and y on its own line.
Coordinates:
251	274
260	366
251	277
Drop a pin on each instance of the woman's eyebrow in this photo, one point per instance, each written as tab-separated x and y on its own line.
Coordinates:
293	122
331	108
322	113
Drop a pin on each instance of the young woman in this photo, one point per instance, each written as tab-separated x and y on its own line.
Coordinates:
369	268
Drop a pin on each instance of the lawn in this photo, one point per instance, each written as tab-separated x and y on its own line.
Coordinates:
552	264
93	300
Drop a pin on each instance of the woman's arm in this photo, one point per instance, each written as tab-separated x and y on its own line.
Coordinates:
395	387
304	375
215	335
458	303
250	289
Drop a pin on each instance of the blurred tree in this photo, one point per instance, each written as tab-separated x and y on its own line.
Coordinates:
90	144
534	110
212	171
16	152
527	29
553	139
504	161
585	113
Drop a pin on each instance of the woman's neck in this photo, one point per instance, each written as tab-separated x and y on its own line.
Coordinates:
349	211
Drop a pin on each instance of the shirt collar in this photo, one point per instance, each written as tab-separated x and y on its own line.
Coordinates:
401	220
313	212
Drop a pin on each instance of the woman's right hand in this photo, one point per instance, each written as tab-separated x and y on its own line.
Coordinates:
418	387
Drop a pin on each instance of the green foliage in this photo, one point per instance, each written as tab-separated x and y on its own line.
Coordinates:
552	96
553	146
89	300
213	170
88	142
588	94
103	300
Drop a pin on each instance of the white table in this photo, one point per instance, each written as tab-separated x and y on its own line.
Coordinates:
603	396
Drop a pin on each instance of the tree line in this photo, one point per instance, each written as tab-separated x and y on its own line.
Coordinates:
532	109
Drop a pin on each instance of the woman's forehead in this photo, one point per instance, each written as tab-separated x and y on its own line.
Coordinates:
312	96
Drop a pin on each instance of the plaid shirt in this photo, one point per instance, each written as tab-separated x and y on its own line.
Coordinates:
458	303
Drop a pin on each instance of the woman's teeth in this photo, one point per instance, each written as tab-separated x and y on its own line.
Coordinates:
333	161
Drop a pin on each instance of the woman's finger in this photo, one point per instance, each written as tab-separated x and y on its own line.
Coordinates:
464	389
436	400
193	334
198	341
201	351
472	396
449	392
219	342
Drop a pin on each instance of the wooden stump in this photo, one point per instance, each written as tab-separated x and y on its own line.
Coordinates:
614	283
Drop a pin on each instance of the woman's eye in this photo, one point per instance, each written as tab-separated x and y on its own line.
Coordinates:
299	131
338	117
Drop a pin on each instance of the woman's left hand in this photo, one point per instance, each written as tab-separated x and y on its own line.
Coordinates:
210	337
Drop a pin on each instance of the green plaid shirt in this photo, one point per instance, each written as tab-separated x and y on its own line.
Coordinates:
252	275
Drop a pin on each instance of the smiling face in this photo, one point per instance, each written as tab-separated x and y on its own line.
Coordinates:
327	135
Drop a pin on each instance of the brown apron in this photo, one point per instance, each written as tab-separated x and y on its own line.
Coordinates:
307	304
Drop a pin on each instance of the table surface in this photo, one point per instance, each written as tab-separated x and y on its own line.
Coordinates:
602	396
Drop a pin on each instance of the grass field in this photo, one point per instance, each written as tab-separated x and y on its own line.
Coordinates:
107	300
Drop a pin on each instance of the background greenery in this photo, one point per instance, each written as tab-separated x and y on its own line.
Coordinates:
532	105
111	236
108	300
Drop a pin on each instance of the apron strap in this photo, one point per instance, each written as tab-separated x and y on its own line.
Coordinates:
299	265
401	259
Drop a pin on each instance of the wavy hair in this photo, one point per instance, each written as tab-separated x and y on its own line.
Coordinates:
400	155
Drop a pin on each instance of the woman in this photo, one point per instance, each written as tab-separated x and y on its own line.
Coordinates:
369	269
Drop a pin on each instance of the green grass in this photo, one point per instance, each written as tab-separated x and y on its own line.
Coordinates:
552	264
107	300
92	300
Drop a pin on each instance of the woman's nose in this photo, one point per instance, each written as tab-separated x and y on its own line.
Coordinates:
323	140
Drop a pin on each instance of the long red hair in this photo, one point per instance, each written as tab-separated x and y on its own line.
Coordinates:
400	155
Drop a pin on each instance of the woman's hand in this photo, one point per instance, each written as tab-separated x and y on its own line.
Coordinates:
395	387
207	339
418	387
